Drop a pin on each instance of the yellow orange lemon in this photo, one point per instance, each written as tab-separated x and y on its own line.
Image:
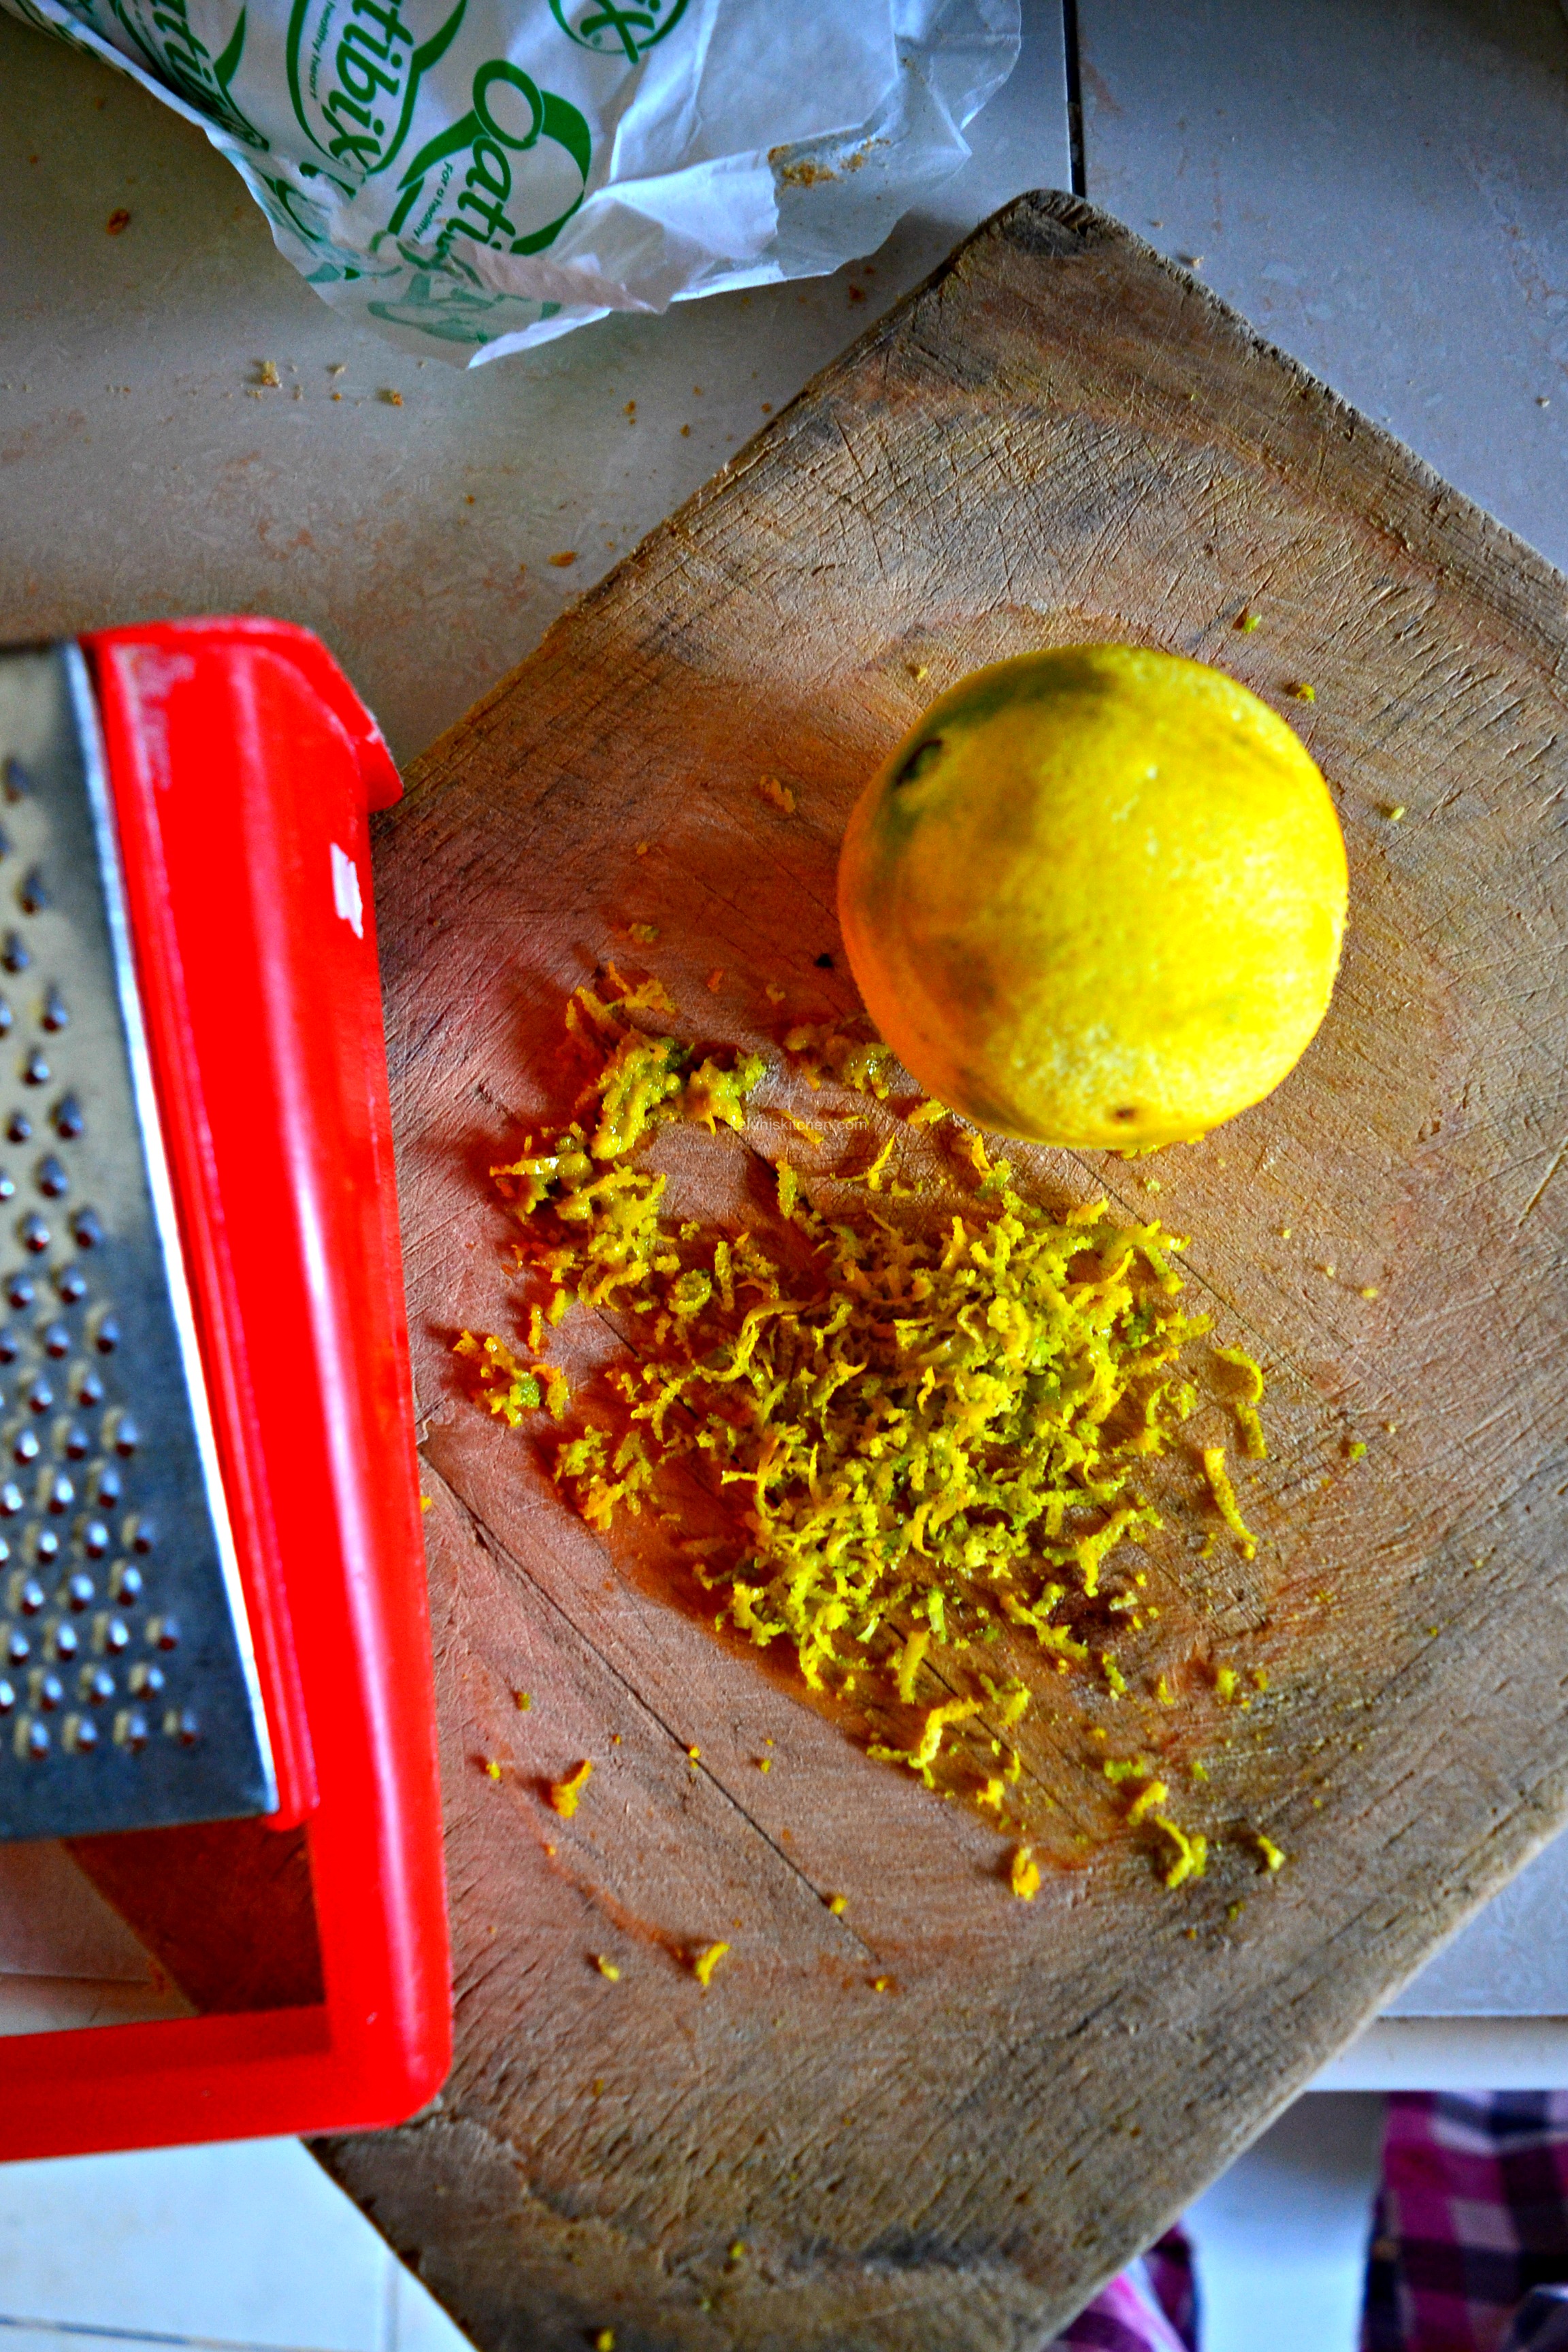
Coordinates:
1096	897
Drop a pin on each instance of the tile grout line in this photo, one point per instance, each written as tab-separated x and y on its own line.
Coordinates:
104	2332
1071	59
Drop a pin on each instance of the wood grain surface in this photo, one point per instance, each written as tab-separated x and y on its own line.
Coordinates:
1059	437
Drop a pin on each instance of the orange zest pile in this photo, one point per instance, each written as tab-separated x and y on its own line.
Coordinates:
928	1429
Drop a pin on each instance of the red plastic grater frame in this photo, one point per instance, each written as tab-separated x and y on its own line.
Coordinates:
242	770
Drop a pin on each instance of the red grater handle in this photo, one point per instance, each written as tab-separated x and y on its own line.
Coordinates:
242	769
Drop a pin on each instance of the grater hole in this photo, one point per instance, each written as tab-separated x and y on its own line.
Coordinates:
24	1447
81	1734
35	1071
74	1441
15	953
56	1340
7	1696
57	1492
88	1388
65	1644
97	1685
7	1185
78	1591
56	1013
33	893
10	1345
18	782
19	1127
29	1596
70	1285
145	1681
141	1533
106	1337
123	1434
32	1739
113	1635
95	1540
18	1649
48	1691
130	1730
40	1396
52	1179
127	1585
7	1018
105	1483
34	1234
181	1724
45	1547
163	1632
69	1118
87	1227
21	1290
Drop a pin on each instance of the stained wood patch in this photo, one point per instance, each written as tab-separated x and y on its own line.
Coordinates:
1059	437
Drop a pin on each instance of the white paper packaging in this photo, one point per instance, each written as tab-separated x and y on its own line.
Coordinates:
473	177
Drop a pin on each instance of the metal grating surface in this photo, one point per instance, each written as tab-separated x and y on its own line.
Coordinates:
128	1695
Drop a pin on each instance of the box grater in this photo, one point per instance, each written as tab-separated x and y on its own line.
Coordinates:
129	1695
213	1620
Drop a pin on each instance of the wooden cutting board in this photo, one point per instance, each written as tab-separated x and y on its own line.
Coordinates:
1060	437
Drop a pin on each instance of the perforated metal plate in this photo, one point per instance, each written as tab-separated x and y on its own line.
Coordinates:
128	1691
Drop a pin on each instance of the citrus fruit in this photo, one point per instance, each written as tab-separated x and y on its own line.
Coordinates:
1096	897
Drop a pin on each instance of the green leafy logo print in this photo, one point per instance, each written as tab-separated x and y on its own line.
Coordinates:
354	71
163	31
440	306
471	179
626	28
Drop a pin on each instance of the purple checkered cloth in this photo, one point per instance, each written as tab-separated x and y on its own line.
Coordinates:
1151	2306
1469	2243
